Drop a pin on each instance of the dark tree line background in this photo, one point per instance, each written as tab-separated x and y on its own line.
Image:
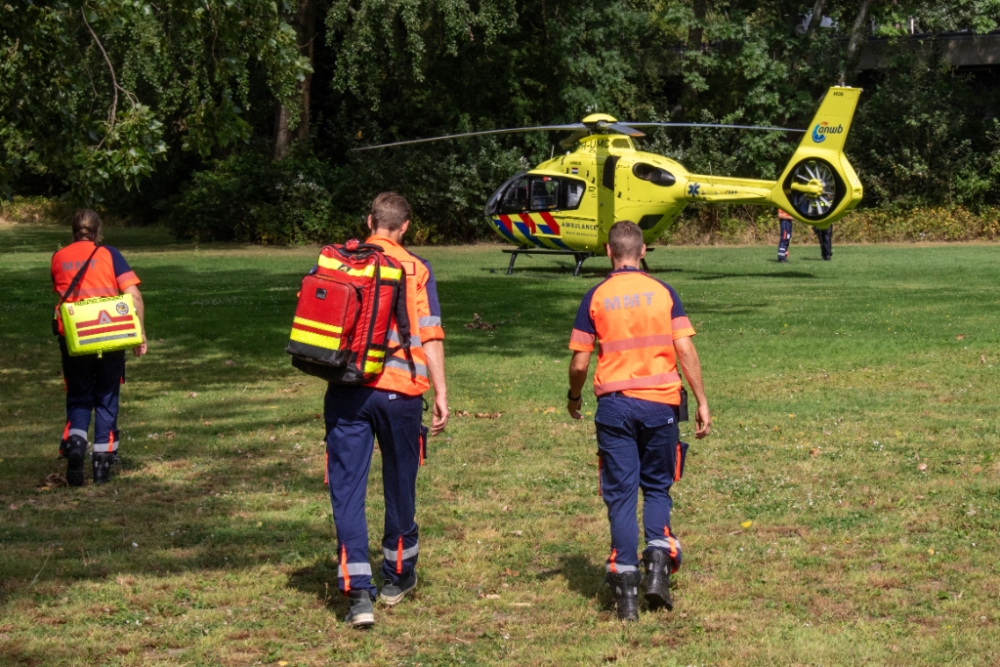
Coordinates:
234	119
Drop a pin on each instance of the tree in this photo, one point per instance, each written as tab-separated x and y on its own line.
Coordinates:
95	93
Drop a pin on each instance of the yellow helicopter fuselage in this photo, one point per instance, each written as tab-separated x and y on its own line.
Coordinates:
570	202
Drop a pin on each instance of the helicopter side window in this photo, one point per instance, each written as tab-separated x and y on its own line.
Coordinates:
542	193
648	172
574	193
515	199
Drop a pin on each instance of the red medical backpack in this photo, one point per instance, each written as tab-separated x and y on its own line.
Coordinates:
348	303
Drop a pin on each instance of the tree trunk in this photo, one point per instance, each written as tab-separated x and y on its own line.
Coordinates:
817	16
695	45
697	34
854	45
305	29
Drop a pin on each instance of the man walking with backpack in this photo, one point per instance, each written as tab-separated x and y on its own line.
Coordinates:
389	409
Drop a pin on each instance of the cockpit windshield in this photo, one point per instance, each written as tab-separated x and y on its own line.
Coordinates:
542	193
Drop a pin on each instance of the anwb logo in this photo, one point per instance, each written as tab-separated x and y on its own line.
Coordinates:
820	131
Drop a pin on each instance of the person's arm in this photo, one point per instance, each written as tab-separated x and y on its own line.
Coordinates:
434	353
579	366
139	312
688	356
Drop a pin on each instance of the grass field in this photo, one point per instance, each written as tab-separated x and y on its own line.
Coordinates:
845	510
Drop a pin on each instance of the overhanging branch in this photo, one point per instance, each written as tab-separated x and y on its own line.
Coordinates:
133	100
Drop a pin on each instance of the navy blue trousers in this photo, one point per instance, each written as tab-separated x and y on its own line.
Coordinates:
638	445
355	417
825	238
92	385
786	237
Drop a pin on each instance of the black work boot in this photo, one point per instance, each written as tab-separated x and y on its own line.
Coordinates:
656	588
625	591
362	613
75	452
102	466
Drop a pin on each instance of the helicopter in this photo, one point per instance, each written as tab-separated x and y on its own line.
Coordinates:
567	204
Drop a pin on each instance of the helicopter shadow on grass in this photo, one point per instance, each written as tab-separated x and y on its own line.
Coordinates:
720	275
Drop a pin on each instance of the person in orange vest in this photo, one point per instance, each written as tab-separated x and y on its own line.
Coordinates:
640	330
390	409
92	383
785	225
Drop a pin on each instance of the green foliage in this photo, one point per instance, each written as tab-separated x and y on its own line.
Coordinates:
249	197
921	137
96	94
198	83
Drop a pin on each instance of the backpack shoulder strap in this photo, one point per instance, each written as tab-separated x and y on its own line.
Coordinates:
402	316
81	272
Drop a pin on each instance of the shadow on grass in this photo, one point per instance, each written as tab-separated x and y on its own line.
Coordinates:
320	580
46	237
583	577
719	275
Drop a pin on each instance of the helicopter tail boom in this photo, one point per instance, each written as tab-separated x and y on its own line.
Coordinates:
819	186
727	190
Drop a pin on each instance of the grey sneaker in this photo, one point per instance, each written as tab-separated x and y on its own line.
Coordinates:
362	613
393	594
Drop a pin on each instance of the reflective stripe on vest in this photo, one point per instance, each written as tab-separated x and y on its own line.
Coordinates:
401	364
637	383
638	343
632	315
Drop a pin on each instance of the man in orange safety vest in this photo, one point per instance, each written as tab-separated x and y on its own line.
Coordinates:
640	330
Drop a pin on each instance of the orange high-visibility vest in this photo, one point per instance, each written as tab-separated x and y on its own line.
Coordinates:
634	320
109	274
425	322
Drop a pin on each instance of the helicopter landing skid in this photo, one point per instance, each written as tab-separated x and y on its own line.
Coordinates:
579	255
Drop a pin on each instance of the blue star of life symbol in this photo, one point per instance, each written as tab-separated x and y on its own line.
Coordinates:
693	189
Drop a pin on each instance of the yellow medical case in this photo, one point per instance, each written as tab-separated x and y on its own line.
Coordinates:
104	324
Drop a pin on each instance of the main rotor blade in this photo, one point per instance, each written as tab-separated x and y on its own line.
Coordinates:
572	139
624	128
730	127
571	126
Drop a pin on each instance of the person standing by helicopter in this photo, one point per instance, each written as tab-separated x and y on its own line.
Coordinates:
825	238
785	225
641	331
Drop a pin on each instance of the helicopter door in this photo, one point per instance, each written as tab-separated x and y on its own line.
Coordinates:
608	176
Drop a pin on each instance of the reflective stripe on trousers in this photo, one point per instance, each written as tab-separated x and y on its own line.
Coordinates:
395	555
